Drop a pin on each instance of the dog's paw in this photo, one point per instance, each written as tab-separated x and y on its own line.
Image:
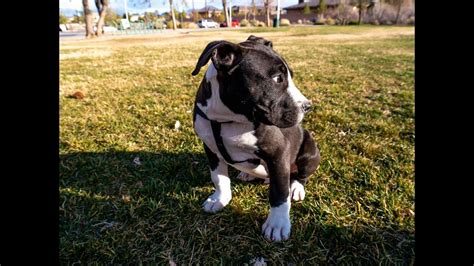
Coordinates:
277	227
245	177
216	202
297	191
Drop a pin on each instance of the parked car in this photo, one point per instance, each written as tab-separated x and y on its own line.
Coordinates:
62	27
235	23
207	23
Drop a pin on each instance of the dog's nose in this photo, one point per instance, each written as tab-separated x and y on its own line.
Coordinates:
306	106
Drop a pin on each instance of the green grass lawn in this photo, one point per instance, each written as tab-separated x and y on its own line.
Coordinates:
359	205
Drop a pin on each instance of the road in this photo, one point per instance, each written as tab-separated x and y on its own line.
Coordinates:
81	34
72	34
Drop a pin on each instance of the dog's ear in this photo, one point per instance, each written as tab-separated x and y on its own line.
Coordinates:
224	55
260	40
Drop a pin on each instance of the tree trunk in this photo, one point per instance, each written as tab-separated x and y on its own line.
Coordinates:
360	11
88	19
398	11
102	6
254	9
382	12
172	14
224	4
267	13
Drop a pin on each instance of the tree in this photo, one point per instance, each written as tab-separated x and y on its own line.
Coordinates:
88	19
368	6
400	3
220	18
253	9
267	4
362	5
150	17
112	18
62	19
173	17
181	16
78	18
360	11
306	9
101	6
322	8
224	5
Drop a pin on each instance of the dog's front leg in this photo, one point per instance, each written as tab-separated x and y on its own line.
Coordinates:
277	227
220	177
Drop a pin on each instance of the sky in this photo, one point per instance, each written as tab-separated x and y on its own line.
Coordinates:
161	5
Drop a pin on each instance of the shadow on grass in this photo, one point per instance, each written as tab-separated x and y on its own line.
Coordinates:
121	207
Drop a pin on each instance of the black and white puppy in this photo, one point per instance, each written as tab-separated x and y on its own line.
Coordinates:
248	114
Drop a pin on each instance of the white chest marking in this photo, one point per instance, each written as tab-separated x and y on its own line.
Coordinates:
238	137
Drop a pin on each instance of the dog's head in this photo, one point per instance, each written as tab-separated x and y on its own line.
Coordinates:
256	81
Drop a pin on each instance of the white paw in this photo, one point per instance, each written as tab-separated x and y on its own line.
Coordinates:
245	177
278	226
216	202
297	191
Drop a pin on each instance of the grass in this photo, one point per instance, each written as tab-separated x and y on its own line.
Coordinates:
359	206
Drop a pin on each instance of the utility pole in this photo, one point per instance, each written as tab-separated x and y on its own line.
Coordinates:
126	10
230	13
278	14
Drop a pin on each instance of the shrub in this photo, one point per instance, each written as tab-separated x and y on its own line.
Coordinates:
330	21
159	24
255	22
189	25
284	22
244	23
219	19
169	24
320	21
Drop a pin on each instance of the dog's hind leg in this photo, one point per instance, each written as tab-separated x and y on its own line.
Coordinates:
220	177
307	161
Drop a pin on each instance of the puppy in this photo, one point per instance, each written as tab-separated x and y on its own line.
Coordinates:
248	114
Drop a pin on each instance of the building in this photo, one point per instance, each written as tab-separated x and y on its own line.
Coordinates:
314	5
209	11
245	10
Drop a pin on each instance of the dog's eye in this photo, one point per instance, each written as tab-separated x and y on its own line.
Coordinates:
278	79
